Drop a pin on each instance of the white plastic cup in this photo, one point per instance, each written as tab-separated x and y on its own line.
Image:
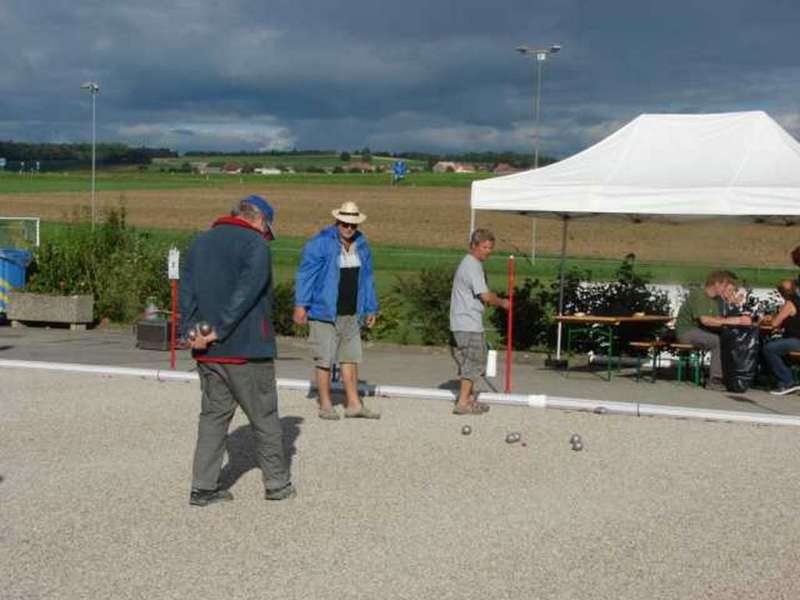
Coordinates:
491	363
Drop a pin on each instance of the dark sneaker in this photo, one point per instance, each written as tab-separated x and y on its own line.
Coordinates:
782	391
206	497
283	493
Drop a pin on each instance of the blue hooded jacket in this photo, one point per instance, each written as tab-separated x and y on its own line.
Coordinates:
317	279
226	280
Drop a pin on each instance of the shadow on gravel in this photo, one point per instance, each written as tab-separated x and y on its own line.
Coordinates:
746	400
454	384
241	450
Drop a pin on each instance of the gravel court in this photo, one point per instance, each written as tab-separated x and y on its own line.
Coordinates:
94	502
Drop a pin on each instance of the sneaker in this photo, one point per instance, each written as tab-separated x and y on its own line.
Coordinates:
782	391
328	414
206	497
283	493
361	413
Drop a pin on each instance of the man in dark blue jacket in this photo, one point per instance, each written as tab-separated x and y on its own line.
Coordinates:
335	291
227	283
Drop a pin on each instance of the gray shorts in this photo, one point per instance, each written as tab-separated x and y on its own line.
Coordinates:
338	342
470	354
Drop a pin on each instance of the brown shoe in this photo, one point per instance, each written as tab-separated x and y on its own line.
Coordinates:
469	409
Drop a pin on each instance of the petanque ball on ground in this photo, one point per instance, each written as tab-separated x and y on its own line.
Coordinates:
574	438
466	430
513	438
577	446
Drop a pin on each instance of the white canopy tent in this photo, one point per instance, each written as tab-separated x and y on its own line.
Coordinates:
675	167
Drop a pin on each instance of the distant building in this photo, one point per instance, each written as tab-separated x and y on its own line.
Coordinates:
446	166
232	169
359	167
504	169
266	171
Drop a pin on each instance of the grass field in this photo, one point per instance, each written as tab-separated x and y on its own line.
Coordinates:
133	180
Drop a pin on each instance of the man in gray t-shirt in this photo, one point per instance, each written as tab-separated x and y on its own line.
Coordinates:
467	300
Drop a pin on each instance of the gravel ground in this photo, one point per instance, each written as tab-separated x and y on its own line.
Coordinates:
94	491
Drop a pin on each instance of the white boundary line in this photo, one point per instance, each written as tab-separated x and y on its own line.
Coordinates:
635	409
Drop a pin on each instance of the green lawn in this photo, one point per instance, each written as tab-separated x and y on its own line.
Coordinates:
393	261
118	180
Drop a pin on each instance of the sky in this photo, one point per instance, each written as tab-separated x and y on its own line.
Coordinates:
432	75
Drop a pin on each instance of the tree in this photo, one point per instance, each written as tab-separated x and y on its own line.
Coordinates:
344	157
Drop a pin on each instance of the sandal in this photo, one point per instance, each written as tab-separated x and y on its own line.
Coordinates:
328	414
470	409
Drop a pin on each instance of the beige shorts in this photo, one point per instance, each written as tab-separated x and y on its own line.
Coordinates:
338	342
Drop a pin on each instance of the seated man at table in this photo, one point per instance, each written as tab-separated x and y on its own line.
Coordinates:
788	319
699	317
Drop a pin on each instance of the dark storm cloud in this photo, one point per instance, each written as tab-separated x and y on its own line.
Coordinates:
441	75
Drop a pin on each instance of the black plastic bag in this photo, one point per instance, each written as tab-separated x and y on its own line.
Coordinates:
739	347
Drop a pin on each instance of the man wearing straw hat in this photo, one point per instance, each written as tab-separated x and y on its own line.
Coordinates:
335	294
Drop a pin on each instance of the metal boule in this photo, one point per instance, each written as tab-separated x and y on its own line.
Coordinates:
577	446
466	430
204	328
513	437
191	335
574	438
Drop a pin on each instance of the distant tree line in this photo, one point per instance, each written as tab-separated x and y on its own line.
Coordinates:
515	159
293	152
71	156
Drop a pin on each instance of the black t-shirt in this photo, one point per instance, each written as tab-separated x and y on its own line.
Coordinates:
791	326
349	267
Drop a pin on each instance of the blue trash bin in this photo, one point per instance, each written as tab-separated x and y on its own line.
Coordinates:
13	269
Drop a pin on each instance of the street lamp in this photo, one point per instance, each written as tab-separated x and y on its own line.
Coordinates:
93	88
541	55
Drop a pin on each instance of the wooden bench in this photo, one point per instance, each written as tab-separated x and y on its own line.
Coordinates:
646	348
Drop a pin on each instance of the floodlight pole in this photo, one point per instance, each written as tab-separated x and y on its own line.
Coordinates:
541	55
94	89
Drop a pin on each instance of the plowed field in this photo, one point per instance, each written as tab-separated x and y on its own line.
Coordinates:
432	217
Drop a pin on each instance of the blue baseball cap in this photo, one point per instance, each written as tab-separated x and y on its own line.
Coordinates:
262	205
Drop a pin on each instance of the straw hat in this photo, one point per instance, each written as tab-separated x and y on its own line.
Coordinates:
348	213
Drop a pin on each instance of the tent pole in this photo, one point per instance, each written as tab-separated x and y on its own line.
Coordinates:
471	223
565	218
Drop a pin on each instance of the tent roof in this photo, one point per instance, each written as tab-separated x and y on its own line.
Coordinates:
734	164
